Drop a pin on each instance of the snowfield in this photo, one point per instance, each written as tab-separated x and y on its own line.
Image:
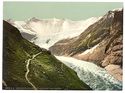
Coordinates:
49	31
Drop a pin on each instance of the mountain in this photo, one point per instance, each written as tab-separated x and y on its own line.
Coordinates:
26	33
27	66
46	32
101	43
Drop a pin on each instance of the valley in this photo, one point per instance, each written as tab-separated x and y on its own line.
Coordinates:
61	54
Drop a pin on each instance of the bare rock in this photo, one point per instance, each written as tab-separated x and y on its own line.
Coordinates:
115	70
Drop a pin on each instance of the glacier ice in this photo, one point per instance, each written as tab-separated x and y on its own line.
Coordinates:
94	76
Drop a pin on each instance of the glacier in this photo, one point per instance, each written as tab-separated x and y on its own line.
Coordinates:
94	76
52	30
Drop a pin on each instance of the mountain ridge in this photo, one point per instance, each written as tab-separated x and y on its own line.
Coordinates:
54	29
100	43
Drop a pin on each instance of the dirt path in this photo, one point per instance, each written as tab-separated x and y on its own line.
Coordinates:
4	83
27	68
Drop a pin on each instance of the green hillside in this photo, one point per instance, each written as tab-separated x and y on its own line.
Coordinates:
45	71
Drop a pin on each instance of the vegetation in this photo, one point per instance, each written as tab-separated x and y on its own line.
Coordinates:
46	72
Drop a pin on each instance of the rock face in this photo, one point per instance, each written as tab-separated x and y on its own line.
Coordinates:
101	43
114	46
115	70
27	66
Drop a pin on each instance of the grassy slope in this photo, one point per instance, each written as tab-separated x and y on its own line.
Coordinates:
46	72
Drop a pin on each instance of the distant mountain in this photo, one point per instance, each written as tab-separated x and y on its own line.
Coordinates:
101	43
27	66
40	31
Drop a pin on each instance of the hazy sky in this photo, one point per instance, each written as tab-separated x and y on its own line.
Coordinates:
44	10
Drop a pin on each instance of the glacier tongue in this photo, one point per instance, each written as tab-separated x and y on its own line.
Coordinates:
96	77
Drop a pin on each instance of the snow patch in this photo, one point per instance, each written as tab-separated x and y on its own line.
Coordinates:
19	25
89	50
117	9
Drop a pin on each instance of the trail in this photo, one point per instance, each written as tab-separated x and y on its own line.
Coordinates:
4	83
27	68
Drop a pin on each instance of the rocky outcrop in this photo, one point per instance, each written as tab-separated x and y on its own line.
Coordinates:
115	70
114	46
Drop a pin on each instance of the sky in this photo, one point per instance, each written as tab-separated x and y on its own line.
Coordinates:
61	10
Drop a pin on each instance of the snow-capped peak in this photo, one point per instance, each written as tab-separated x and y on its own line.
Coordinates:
53	29
118	9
